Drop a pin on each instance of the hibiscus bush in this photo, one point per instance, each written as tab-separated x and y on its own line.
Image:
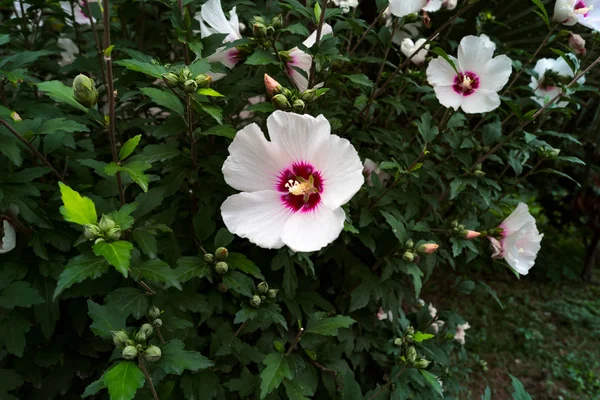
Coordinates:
258	199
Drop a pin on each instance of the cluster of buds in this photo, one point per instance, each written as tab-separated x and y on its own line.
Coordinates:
84	91
106	229
478	172
263	29
549	152
410	254
288	99
137	347
154	314
218	260
185	81
264	294
460	231
409	354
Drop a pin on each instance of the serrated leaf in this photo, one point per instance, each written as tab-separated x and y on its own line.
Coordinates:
175	359
60	93
362	294
77	209
135	170
104	320
214	111
164	98
118	254
239	283
154	70
397	226
129	147
94	387
419	337
319	323
519	390
78	269
192	267
127	301
431	379
245	314
146	241
278	367
12	333
241	262
261	57
123	217
361	80
158	271
352	389
123	380
427	130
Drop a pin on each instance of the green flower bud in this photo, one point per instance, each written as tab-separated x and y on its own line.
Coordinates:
258	19
408	256
84	91
408	338
422	363
147	329
209	258
398	342
171	79
91	231
479	174
410	244
277	21
106	223
203	81
221	267
141	337
185	75
113	233
221	254
308	95
154	312
129	352
410	330
281	102
152	353
272	293
411	354
263	287
157	322
259	30
119	338
299	105
190	86
255	301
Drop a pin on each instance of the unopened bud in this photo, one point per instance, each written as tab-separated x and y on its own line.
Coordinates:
171	79
469	235
263	287
154	312
272	86
308	95
113	233
141	337
408	256
299	105
259	30
209	258
15	117
410	330
428	248
461	227
185	74
91	231
84	91
411	354
221	268
221	254
147	329
479	173
157	323
106	223
281	102
409	338
577	44
398	342
422	363
119	338
255	301
203	80
277	21
129	352
409	244
190	86
272	293
483	365
152	353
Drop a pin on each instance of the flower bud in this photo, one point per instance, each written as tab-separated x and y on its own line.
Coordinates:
410	330
408	256
428	248
299	105
209	258
157	322
190	86
15	117
147	329
129	352
263	287
281	102
422	363
185	75
577	44
91	231
203	80
398	342
272	86
141	337
308	95
277	21
106	223
409	244
469	235
221	268
259	30
479	173
119	338
272	293
84	91
221	254
113	233
154	312
411	354
152	353
171	79
408	338
461	227
255	301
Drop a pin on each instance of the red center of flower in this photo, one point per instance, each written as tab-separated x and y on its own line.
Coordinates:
301	186
465	83
582	8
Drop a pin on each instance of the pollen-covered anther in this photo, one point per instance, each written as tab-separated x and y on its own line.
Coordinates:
299	188
583	10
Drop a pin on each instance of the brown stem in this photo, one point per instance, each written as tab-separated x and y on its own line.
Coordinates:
160	336
311	77
110	93
96	37
148	379
186	55
33	150
239	330
190	126
384	387
75	26
366	33
295	342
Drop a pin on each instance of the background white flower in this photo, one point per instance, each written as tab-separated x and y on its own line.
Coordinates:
70	50
303	61
408	47
346	5
480	77
459	336
401	8
8	239
545	85
77	12
571	12
371	167
292	187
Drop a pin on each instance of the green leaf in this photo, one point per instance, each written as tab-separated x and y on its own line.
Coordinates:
47	313
94	387
192	267
60	125
146	241
261	57
128	301
123	217
442	53
426	129
158	271
351	388
297	390
19	294
397	226
573	160
431	379
164	98
278	367
225	130
209	92
361	80
129	146
9	380
542	13
135	170
419	337
80	268
104	320
319	323
4	39
555	172
519	390
10	149
239	283
362	294
215	112
245	314
60	93
123	380
154	70
223	238
239	261
116	253
12	333
175	360
77	209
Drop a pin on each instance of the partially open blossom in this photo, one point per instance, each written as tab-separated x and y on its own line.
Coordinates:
428	248
472	234
271	86
80	17
577	44
459	336
584	12
371	167
383	315
303	61
292	187
520	240
212	20
408	47
8	237
346	5
480	76
551	73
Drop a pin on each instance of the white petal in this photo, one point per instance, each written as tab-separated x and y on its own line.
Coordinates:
311	40
542	65
433	5
68	45
227	57
258	216
473	54
9	240
480	102
254	163
517	219
212	14
401	8
563	12
313	230
302	61
592	20
301	136
561	67
488	42
448	97
495	74
440	72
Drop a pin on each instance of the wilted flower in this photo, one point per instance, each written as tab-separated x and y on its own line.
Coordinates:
571	12
346	5
303	61
577	44
8	236
408	47
292	187
551	72
520	241
401	8
459	336
480	77
370	168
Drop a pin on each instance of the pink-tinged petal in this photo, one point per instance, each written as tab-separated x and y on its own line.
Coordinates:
401	8
473	54
481	101
313	230
254	163
257	216
517	219
563	12
591	19
448	97
303	61
521	239
433	5
496	73
440	72
227	57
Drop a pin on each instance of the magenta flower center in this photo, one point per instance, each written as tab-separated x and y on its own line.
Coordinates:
465	83
301	186
582	8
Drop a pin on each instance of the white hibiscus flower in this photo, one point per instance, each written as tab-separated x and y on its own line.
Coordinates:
571	12
401	8
480	76
70	51
293	186
546	85
346	5
408	47
460	334
303	61
80	17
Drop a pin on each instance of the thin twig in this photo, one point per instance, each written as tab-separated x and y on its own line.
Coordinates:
384	387
160	336
96	37
365	33
33	150
239	330
295	342
190	126
311	76
148	378
186	55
